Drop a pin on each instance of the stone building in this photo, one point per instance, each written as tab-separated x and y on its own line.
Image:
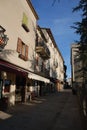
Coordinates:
30	61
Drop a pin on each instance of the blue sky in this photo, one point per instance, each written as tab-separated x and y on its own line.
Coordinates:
59	18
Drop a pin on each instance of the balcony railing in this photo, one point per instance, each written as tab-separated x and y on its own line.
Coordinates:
43	50
42	71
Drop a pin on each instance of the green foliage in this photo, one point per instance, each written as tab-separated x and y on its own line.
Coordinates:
81	27
81	30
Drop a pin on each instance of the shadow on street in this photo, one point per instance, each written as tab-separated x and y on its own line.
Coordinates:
57	111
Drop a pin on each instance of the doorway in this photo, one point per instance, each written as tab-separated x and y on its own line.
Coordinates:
20	88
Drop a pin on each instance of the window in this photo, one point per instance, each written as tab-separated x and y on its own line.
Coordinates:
25	22
37	59
22	49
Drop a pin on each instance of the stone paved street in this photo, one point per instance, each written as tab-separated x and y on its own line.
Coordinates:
58	111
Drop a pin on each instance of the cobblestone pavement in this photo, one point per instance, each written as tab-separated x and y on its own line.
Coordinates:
59	111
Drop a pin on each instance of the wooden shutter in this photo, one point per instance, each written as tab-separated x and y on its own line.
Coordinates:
19	45
26	52
37	58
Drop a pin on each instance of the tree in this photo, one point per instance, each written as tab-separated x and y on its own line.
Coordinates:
81	27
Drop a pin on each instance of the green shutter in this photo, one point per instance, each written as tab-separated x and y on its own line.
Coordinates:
25	19
25	22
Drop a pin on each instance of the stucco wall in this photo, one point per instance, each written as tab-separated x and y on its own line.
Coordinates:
11	13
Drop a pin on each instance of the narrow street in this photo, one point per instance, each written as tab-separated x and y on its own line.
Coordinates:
58	111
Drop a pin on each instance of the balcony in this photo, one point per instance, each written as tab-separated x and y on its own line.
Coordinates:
42	71
43	50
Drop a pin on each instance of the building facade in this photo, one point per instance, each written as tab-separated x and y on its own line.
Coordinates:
19	19
30	61
56	61
78	69
76	65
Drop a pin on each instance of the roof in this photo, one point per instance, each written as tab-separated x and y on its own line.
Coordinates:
53	40
32	8
42	34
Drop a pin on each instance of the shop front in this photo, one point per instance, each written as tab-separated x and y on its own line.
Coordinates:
60	85
38	85
12	83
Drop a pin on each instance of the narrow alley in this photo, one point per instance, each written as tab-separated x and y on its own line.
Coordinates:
59	111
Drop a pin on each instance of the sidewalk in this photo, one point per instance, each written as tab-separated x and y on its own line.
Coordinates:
59	111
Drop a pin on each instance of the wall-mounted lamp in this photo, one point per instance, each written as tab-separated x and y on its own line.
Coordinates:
3	38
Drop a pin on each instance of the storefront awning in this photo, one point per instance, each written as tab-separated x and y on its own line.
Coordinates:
6	66
37	77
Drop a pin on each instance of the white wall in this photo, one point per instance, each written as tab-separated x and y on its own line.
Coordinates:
11	14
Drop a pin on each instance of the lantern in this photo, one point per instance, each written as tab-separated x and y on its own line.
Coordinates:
3	38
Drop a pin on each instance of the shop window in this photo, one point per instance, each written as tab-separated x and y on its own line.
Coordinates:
25	22
7	84
22	49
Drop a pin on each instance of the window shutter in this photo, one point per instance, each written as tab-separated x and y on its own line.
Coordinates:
19	45
26	52
25	22
37	58
25	19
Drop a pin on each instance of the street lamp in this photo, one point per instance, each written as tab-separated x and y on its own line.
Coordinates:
3	38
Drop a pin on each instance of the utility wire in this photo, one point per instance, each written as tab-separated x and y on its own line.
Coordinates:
54	2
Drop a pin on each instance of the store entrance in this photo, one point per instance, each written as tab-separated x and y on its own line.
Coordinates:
20	88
